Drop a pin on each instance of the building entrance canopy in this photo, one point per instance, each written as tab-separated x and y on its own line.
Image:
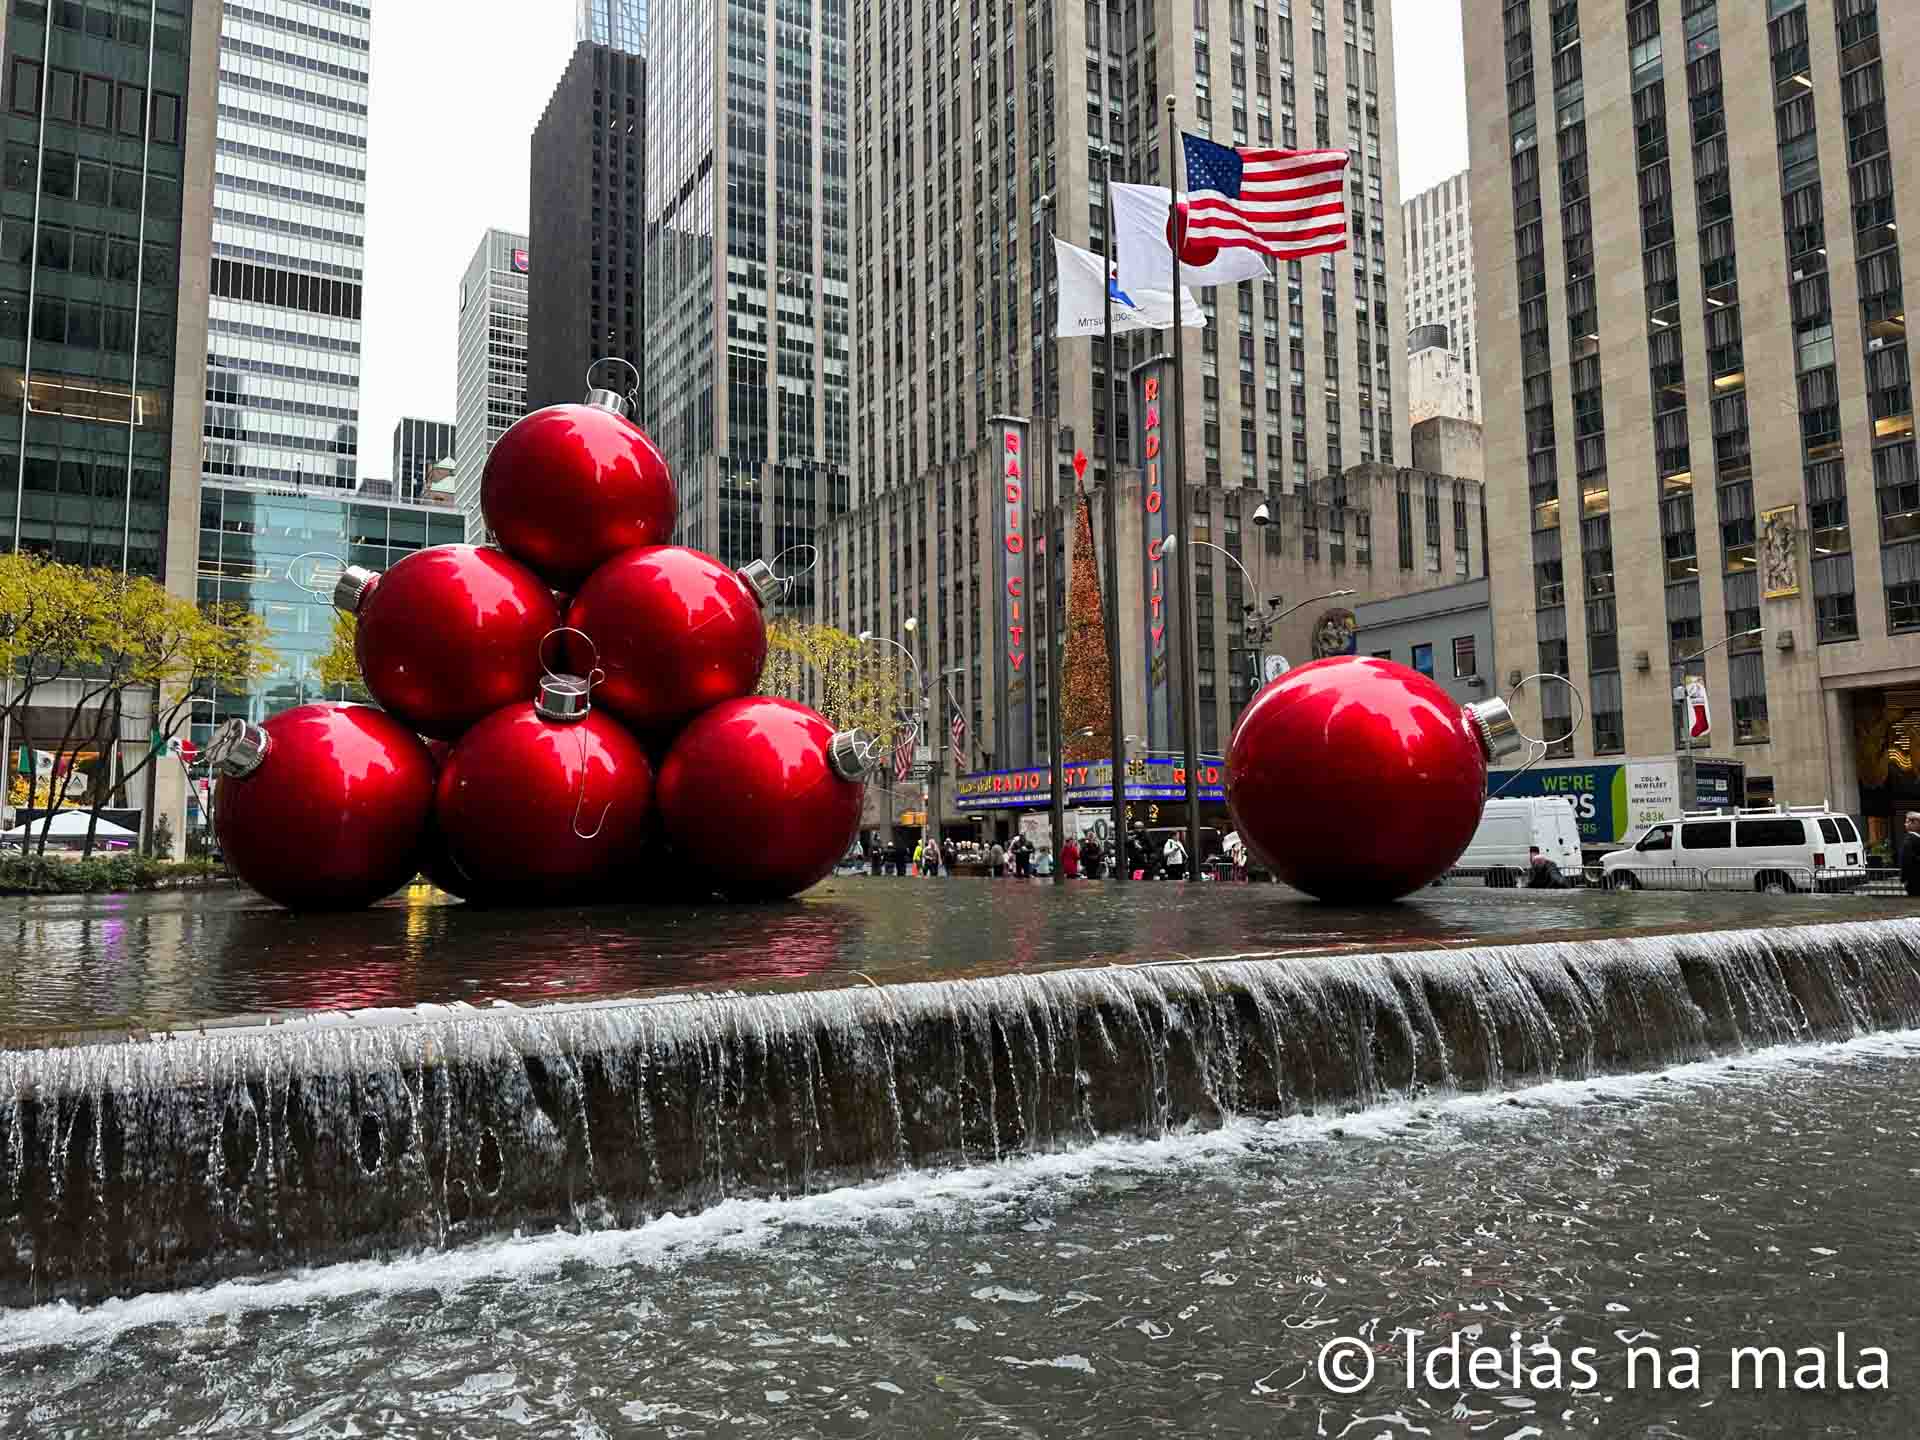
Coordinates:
1087	782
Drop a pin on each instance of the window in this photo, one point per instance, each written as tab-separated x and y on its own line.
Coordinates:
1383	654
1829	831
1660	837
1707	835
1463	658
1771	832
1423	660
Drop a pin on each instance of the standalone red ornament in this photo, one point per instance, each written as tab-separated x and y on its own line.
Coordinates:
545	801
1360	780
449	634
571	486
323	807
672	632
763	796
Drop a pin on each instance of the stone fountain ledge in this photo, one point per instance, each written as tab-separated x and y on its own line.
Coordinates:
269	1141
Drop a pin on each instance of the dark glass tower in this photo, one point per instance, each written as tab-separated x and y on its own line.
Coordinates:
90	235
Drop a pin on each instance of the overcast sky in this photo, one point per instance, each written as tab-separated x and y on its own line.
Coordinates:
458	86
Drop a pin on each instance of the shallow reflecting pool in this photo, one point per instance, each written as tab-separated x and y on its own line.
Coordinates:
116	961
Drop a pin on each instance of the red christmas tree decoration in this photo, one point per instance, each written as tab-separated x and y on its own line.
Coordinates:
1086	697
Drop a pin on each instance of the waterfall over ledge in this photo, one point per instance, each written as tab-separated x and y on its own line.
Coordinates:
188	1157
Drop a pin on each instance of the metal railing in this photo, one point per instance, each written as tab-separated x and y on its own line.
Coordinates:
1775	879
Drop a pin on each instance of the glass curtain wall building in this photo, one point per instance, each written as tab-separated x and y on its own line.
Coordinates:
289	236
418	448
90	233
619	23
749	172
490	392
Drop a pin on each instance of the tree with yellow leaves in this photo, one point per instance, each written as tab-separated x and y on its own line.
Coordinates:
855	686
109	634
339	668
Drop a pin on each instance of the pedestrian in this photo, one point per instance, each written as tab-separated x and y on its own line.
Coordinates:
1910	854
1070	858
1022	856
919	853
877	856
1092	858
1173	856
931	860
1238	857
898	854
996	861
1138	859
1542	873
1042	864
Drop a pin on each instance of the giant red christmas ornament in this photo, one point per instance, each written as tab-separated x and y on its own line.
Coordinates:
324	806
673	632
762	795
449	634
1358	779
570	486
435	862
543	801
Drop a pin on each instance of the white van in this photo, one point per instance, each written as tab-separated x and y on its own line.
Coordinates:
1510	828
1801	847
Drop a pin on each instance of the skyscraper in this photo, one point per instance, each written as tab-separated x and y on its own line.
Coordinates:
1696	288
962	123
747	386
1437	236
418	448
490	392
289	241
586	299
105	217
619	23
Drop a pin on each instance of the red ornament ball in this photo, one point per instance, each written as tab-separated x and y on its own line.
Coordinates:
535	810
323	807
570	486
450	634
435	863
1356	779
750	795
674	632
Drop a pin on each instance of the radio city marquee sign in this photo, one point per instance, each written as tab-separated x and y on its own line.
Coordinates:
1013	670
1031	786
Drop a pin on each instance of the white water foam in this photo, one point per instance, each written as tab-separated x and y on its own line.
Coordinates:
746	1226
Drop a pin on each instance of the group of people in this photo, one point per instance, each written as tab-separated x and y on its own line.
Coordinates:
1021	858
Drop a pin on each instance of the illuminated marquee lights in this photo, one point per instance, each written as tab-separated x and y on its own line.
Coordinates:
1153	499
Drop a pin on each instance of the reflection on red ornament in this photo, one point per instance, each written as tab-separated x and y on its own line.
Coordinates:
449	634
324	806
570	486
536	810
762	795
1357	779
672	632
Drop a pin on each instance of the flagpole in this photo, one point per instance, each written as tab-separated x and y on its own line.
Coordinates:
1189	674
1056	593
1110	523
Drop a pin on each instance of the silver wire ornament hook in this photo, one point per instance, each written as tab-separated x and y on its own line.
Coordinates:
614	360
310	584
788	578
580	799
593	670
1537	748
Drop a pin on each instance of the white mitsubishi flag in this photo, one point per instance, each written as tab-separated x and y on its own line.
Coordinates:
1146	257
1083	299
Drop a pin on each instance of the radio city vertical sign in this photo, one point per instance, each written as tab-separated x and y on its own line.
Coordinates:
1157	453
1014	631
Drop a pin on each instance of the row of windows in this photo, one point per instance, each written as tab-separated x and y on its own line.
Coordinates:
67	177
97	102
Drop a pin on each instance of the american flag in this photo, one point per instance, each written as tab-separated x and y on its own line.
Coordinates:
1287	203
903	746
959	732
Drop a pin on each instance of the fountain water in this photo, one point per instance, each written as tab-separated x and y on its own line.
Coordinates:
171	1161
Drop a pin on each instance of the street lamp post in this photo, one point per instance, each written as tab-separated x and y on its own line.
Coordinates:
922	688
1259	624
1689	785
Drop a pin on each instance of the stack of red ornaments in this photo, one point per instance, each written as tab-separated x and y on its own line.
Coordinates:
567	718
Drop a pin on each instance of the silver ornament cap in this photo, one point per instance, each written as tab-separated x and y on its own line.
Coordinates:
1493	722
352	586
563	697
240	748
761	580
847	752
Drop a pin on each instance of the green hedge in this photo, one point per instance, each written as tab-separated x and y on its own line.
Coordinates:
30	875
